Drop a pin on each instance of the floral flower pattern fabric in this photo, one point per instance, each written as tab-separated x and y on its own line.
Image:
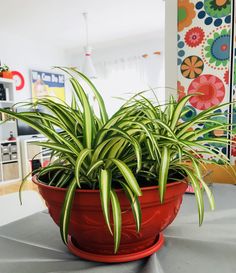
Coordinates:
180	90
214	12
226	76
194	36
192	67
186	13
216	50
217	132
190	114
204	28
211	91
233	148
181	51
217	8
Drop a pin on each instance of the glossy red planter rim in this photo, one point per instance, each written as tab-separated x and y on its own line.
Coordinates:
116	258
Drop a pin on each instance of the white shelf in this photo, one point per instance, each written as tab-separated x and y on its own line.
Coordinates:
6	102
10	125
9	141
9	161
4	80
10	170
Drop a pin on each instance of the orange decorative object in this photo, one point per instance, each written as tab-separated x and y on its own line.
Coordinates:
6	74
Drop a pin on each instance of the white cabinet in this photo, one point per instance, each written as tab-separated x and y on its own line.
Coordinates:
10	162
30	151
7	101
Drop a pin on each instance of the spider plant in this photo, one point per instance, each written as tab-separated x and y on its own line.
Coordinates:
143	143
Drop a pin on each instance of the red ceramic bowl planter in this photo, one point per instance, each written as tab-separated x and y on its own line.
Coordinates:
89	236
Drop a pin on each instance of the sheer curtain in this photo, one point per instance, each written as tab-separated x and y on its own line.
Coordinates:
123	77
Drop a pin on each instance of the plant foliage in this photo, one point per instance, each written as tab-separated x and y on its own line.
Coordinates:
142	141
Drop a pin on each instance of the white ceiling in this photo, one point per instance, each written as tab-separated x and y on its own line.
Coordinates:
60	22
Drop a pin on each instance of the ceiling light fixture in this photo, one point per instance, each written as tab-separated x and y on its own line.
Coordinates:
88	67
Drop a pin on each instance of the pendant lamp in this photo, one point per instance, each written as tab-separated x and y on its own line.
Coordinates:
88	67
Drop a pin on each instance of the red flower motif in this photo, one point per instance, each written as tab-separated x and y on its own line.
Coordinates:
226	76
194	36
233	147
212	91
180	90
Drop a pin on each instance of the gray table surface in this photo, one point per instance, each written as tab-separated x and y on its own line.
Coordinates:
33	244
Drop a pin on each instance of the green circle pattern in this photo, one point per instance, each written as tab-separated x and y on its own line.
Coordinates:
210	43
215	10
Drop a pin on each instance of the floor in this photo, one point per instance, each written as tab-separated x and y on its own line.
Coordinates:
14	187
10	207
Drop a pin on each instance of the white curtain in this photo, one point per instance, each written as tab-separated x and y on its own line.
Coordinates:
125	76
135	64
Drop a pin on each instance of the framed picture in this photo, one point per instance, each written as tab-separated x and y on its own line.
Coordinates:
47	84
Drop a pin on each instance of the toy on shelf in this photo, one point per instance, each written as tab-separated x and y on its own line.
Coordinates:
11	137
5	72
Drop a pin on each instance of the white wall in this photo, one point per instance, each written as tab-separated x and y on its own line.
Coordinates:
23	55
125	48
171	47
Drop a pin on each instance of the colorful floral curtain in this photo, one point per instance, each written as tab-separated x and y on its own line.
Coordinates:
233	97
204	40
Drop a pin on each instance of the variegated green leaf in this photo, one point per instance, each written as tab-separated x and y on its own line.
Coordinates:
135	144
54	146
99	98
80	160
117	221
198	193
73	102
163	171
105	188
88	114
128	176
66	211
135	204
95	166
178	110
204	185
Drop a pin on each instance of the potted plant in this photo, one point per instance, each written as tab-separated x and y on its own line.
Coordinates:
116	183
5	72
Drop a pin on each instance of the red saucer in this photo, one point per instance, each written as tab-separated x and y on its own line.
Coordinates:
115	258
